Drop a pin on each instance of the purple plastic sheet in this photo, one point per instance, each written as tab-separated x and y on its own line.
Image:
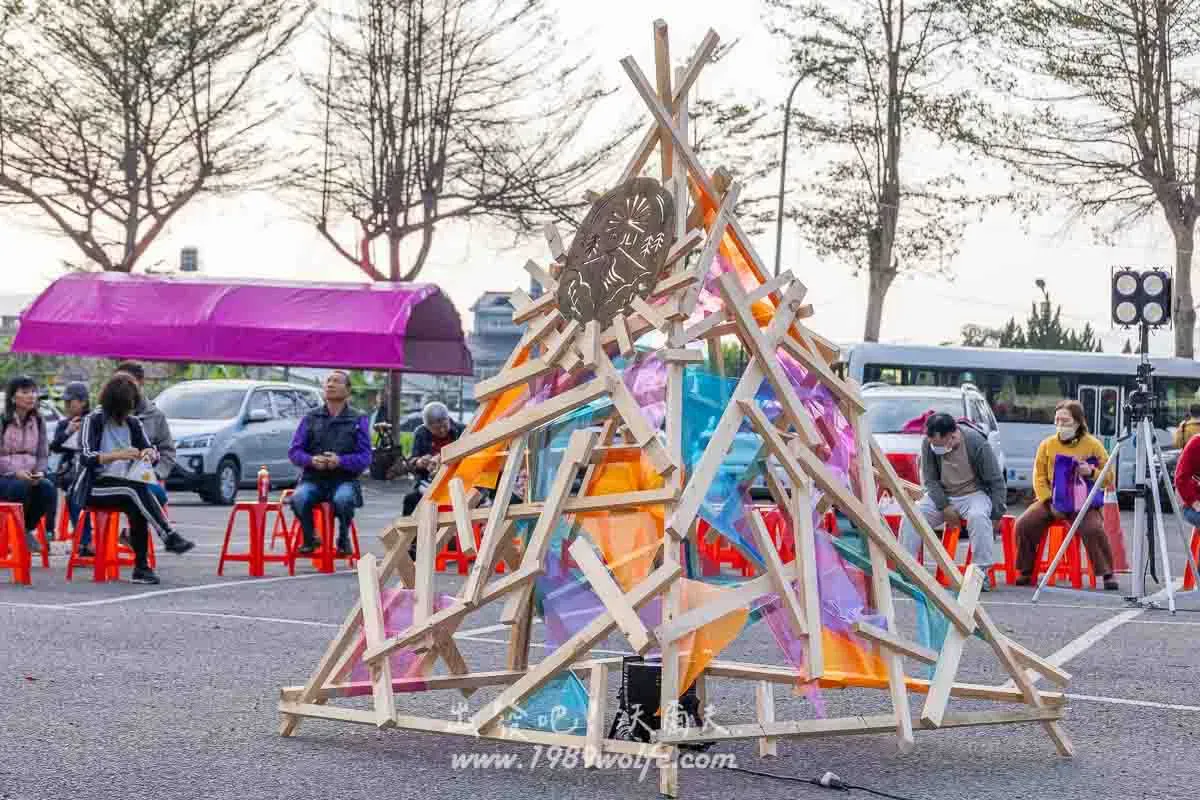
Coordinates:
646	379
406	665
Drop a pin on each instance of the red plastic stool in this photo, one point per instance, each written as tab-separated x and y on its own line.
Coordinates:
326	557
257	515
65	529
283	530
950	537
14	550
1189	580
1071	566
111	555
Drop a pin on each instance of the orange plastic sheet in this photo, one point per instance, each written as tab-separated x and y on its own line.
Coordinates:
627	539
701	647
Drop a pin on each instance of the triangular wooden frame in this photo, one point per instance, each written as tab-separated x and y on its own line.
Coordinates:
551	343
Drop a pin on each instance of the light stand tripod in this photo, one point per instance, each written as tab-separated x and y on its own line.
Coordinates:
1149	472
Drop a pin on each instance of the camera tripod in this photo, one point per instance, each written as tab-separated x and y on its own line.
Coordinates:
1150	474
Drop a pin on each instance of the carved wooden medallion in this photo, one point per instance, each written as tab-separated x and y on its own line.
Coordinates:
618	252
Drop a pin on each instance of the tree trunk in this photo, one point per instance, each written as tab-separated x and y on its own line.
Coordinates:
1184	309
878	283
395	401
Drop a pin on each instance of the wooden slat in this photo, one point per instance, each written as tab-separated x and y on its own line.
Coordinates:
729	600
705	325
716	232
533	368
881	587
372	615
525	309
705	471
684	245
525	420
699	59
683	356
418	631
846	396
1029	691
575	505
775	572
652	315
951	654
495	528
578	644
624	340
735	302
462	519
577	453
610	594
764	701
806	569
589	343
542	276
631	413
803	462
895	643
597	702
854	726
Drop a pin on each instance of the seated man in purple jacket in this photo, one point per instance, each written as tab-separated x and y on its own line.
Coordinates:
333	447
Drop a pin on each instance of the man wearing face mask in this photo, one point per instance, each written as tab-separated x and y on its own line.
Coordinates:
963	484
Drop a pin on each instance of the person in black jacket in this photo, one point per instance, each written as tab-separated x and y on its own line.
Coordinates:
333	447
78	405
110	438
437	431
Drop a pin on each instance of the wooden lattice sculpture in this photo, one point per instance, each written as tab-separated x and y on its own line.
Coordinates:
568	336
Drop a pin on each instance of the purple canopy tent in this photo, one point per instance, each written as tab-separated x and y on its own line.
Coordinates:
406	327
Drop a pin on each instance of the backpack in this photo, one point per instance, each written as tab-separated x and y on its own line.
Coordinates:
1186	430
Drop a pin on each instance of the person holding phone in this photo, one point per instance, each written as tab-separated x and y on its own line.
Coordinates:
112	438
24	453
65	443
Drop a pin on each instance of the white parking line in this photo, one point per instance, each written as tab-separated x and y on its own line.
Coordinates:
222	615
1081	643
201	588
1121	701
1062	656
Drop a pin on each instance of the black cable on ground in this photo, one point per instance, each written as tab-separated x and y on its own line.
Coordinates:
827	781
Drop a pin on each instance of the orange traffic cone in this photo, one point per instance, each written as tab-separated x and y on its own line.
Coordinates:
1112	529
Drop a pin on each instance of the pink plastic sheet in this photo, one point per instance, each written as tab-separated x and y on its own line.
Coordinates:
410	327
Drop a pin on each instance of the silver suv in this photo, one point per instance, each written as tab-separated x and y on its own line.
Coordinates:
226	430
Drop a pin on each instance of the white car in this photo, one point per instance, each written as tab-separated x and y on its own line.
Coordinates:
892	409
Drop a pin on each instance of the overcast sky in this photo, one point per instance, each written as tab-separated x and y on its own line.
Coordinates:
256	235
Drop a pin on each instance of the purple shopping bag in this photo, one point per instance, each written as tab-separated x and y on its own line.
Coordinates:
1069	489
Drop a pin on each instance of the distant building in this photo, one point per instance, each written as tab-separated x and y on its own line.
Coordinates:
11	306
494	335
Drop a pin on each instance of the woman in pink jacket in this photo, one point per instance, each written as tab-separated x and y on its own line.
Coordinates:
24	451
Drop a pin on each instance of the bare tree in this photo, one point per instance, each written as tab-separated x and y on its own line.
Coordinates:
114	115
433	111
1102	109
884	193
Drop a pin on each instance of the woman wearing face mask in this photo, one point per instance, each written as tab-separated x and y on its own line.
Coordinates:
1070	438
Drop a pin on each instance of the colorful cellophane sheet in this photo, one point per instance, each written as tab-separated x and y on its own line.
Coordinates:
629	540
409	669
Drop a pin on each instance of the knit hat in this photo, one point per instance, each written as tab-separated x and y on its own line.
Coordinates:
76	390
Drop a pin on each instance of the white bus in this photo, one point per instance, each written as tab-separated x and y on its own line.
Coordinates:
1023	386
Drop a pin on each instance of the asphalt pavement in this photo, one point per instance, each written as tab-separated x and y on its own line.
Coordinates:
115	691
